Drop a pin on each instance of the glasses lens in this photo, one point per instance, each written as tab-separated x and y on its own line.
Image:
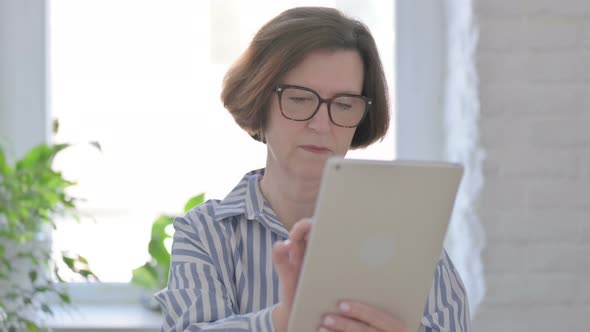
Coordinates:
298	104
348	111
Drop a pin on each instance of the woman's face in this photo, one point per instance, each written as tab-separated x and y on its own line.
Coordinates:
301	148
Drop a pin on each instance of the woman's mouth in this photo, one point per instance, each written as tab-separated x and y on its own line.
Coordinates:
316	149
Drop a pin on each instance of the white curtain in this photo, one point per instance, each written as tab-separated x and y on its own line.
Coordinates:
465	239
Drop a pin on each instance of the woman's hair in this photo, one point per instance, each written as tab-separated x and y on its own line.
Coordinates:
280	45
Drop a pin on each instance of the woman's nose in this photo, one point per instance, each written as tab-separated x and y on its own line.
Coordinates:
320	122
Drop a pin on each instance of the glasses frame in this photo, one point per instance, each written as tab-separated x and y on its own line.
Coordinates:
279	89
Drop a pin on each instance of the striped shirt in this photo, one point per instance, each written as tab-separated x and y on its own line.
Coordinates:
222	276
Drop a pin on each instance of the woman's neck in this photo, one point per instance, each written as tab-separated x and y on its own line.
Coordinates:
290	197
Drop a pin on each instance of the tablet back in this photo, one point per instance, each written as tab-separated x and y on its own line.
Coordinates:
378	234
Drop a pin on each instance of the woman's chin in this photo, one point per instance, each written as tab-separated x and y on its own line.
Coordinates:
310	170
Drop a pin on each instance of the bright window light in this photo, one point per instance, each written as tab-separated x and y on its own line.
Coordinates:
143	78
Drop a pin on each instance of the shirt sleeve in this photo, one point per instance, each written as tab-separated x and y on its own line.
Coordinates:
447	309
196	298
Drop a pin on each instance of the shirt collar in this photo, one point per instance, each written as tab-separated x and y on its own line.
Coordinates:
247	199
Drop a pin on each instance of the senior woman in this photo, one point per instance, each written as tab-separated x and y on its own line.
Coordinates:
309	86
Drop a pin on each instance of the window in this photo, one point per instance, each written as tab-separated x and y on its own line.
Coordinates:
143	79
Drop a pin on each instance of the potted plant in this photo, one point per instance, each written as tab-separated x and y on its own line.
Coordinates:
153	275
32	195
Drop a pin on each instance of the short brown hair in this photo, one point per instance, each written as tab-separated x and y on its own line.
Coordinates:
281	44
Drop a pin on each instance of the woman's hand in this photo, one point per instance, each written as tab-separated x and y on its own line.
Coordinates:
287	258
351	317
358	317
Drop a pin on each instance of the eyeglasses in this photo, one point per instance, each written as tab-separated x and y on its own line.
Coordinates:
300	104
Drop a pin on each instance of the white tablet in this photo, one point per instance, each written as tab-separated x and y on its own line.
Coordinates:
378	234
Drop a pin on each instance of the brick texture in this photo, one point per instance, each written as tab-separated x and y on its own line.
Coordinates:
533	62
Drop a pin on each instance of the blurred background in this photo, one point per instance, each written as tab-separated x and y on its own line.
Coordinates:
501	86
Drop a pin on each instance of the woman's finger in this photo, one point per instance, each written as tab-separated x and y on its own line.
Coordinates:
300	229
377	318
280	255
297	236
339	323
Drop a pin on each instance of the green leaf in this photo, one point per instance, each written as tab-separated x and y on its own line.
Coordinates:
32	327
194	201
158	251
156	247
41	289
56	148
6	263
146	276
57	275
65	298
159	227
4	168
69	262
87	273
33	258
32	196
82	260
37	156
96	145
46	309
2	309
55	126
33	276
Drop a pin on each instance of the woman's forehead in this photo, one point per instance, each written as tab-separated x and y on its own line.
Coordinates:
329	72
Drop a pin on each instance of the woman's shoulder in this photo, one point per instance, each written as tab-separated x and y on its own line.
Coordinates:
206	210
448	273
447	308
218	214
445	260
199	218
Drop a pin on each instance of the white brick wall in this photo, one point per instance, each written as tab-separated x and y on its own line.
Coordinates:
534	69
533	8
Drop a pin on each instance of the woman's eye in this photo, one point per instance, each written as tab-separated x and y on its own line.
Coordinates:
342	106
299	99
